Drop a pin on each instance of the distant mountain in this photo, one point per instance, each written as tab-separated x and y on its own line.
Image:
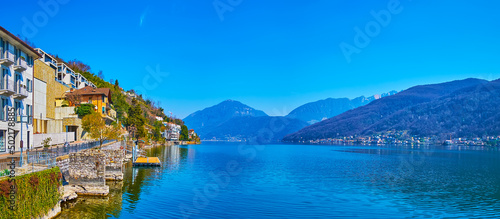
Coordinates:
263	129
464	107
324	109
204	120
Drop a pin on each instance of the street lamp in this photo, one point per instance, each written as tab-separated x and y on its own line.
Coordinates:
132	129
21	116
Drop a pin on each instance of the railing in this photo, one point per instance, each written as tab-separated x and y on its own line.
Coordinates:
20	90
44	156
27	119
6	54
22	63
7	84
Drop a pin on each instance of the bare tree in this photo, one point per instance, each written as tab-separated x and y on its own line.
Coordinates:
74	98
100	75
78	66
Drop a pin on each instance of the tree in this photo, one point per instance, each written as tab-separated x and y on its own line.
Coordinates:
116	84
184	133
136	118
74	98
77	65
97	128
100	75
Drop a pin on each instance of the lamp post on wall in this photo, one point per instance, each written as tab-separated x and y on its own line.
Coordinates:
21	118
132	129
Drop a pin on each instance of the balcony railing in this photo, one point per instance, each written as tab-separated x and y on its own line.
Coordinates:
25	119
6	87
6	58
20	91
20	65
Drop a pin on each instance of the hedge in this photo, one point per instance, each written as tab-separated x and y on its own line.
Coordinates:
36	194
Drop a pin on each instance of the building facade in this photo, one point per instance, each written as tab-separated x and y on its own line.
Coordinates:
99	97
16	91
172	131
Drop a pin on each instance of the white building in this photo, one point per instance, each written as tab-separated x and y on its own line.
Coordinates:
66	75
172	131
16	90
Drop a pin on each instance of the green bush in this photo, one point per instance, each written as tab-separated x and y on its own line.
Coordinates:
36	194
84	109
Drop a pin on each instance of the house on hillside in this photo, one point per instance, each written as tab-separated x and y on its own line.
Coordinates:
172	131
99	97
191	134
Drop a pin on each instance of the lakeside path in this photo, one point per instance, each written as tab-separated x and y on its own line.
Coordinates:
4	156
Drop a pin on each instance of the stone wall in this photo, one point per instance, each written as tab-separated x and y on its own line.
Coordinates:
63	164
114	164
87	168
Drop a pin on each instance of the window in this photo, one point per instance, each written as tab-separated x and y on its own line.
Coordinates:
3	109
2	141
28	85
3	78
18	107
103	110
28	113
103	100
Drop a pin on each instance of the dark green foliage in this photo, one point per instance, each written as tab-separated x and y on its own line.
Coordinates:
184	133
84	109
136	118
36	194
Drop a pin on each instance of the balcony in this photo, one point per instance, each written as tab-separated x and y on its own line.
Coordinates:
6	87
24	119
6	58
20	91
20	65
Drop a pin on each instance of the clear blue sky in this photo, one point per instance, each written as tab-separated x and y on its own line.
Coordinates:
271	55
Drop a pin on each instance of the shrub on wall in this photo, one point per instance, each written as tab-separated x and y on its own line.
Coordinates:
36	194
84	109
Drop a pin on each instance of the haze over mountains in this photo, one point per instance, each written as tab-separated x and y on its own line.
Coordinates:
233	120
463	108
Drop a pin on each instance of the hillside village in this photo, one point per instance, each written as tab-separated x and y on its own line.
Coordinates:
51	98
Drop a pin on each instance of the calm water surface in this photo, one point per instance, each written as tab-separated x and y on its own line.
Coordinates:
221	180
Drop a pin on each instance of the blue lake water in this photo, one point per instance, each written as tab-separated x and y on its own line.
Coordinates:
223	180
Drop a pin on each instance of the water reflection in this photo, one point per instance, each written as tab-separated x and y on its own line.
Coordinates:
309	182
130	189
95	207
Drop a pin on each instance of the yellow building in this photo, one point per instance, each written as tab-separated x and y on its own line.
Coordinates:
47	91
99	97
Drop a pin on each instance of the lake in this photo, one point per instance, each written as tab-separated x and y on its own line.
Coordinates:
231	180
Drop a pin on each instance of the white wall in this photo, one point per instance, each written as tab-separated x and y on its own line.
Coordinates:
40	97
57	138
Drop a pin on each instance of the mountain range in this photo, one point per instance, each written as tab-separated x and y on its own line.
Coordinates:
467	108
233	120
324	109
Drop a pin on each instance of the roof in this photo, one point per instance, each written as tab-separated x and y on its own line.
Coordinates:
88	90
15	38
